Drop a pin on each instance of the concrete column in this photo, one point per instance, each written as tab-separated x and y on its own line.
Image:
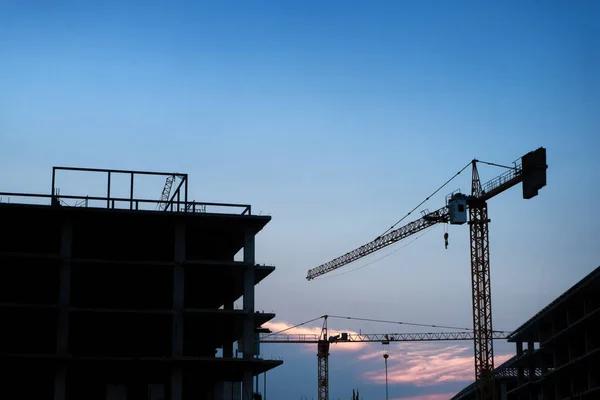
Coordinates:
228	347
176	384
178	297
60	383
543	363
62	339
249	269
587	342
116	392
227	390
520	370
62	334
503	391
531	367
247	385
572	388
156	391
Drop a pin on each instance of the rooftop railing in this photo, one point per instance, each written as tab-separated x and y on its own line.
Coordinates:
174	196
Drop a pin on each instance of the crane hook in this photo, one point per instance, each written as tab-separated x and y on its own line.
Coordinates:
446	239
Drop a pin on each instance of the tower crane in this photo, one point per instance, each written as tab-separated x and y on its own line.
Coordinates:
323	341
530	170
164	202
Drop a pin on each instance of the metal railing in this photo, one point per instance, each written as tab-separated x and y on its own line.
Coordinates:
174	197
500	180
124	203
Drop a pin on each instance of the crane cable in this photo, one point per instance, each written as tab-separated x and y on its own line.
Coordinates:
295	326
409	323
380	258
427	198
495	165
401	323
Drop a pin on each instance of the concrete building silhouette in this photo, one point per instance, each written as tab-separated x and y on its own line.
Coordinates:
106	297
557	350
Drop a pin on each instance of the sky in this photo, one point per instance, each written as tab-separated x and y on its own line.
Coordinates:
335	118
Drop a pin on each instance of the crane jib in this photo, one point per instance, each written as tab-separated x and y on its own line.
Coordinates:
392	237
349	337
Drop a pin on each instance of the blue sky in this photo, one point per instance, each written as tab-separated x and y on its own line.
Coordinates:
336	118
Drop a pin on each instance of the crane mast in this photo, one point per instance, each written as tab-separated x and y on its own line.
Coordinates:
529	170
481	289
323	363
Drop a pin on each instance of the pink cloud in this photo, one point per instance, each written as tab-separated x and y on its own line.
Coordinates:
371	356
313	333
424	364
439	396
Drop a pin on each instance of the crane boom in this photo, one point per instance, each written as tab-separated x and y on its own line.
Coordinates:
379	243
164	197
375	337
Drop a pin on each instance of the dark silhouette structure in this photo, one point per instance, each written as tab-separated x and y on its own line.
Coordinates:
558	350
127	298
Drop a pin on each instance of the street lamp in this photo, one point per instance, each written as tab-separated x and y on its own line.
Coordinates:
385	357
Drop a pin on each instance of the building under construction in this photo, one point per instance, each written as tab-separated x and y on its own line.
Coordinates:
119	298
558	350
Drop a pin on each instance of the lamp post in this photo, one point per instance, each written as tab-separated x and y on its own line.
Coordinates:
385	357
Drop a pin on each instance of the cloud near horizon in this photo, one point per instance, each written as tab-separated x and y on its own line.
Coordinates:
426	364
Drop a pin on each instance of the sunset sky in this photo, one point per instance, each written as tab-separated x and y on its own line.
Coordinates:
336	118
